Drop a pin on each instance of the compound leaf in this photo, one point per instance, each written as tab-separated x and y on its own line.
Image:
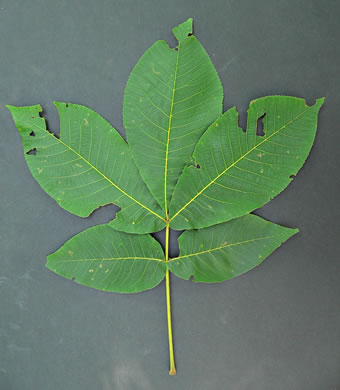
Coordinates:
237	172
105	259
90	165
185	166
223	251
171	97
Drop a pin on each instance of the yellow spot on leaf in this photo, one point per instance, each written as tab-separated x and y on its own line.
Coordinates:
154	71
70	253
91	270
40	170
79	165
86	122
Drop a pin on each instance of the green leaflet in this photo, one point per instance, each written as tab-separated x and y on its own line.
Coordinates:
171	97
89	166
103	258
237	172
223	251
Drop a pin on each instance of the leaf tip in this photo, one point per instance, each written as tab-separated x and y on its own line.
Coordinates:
10	108
320	101
57	104
291	232
183	30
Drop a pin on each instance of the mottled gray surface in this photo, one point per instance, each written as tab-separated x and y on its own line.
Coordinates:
275	328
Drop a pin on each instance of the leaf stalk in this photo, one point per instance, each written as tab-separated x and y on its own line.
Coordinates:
168	304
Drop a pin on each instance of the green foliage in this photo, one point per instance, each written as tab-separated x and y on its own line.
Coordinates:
90	165
109	260
186	166
241	171
226	250
171	97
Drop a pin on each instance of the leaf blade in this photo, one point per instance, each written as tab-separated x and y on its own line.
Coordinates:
103	258
82	170
161	110
227	250
240	172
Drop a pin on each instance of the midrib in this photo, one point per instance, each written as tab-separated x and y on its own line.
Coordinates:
168	136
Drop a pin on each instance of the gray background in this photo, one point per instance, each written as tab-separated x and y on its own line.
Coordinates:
275	328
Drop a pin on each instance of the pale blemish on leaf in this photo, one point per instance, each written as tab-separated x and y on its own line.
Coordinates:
154	71
70	253
91	270
86	122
